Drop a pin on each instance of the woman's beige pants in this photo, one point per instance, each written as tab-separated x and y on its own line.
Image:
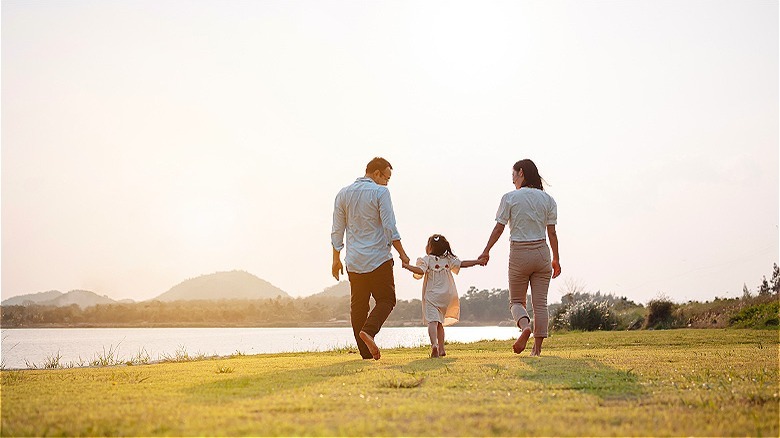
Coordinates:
530	263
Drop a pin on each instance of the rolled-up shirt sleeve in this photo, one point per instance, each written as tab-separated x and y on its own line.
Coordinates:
502	215
339	224
388	217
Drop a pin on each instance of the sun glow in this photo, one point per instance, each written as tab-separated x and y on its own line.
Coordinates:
205	222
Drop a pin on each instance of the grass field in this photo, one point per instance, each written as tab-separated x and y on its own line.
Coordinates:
661	383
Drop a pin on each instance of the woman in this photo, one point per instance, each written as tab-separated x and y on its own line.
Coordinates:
529	211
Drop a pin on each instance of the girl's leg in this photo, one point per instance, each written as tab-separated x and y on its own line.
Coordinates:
432	333
440	338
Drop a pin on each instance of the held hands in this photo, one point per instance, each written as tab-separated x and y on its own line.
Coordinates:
483	258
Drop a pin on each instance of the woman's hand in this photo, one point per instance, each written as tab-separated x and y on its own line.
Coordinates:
556	265
484	258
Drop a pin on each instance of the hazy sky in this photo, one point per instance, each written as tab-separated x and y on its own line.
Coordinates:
147	142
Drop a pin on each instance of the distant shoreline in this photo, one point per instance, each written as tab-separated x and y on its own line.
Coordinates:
345	324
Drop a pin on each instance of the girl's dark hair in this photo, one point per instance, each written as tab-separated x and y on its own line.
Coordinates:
439	246
531	177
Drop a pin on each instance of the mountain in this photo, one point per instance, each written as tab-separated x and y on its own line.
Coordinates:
26	300
81	298
223	286
340	289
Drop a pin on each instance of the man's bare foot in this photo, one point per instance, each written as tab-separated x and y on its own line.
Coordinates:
521	342
369	340
434	352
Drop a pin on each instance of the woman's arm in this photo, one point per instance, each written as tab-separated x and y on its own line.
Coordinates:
494	235
412	268
556	262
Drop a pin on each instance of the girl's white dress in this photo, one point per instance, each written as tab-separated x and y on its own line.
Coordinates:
440	301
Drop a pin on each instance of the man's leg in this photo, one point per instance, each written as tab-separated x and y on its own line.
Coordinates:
382	287
358	309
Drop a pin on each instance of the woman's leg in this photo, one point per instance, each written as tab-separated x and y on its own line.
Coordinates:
432	333
519	276
540	285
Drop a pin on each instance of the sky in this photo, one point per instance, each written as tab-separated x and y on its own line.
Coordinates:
144	142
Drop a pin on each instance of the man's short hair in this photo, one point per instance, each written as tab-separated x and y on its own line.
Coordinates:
377	163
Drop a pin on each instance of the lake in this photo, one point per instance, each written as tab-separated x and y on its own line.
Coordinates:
26	348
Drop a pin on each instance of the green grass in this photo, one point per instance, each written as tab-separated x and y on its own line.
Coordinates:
764	315
660	383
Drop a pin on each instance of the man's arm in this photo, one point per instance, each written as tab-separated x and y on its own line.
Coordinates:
387	217
337	236
401	253
337	267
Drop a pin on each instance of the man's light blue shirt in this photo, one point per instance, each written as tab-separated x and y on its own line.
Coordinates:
364	211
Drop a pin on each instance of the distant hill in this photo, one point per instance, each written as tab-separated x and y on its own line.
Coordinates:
223	286
82	298
25	300
340	289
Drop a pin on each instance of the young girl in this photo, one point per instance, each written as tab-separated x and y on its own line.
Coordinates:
440	303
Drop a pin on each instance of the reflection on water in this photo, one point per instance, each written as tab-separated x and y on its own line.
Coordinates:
21	347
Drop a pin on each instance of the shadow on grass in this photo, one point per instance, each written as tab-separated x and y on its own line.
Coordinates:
427	364
586	375
264	384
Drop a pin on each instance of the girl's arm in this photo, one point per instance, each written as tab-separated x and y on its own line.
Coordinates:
412	268
470	263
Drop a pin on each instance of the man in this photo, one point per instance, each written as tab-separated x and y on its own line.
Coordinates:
364	211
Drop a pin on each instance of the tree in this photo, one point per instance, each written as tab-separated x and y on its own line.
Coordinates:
764	289
745	291
776	278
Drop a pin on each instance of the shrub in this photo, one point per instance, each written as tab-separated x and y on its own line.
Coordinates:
759	316
588	316
660	314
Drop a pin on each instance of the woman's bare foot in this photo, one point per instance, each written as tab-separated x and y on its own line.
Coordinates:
521	342
537	350
369	340
442	353
434	352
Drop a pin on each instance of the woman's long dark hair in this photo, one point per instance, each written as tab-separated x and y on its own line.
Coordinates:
439	245
531	177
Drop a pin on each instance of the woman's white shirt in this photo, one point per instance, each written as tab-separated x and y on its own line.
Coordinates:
528	211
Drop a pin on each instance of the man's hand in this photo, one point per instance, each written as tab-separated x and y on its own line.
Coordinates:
337	268
556	265
404	259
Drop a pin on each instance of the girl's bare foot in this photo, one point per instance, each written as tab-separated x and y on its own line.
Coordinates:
434	352
369	340
521	342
